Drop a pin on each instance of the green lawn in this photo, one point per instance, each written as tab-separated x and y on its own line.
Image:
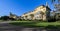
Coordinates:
36	24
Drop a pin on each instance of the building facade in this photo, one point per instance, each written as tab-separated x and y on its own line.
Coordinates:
40	13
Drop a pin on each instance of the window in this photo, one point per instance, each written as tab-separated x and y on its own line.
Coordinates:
38	13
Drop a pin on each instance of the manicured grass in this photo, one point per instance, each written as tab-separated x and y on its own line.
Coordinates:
36	24
48	23
23	23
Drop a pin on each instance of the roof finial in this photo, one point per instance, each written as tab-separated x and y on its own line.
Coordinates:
46	3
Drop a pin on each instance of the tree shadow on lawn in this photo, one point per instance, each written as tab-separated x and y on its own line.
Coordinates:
53	27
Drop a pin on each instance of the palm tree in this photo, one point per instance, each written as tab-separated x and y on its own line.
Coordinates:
53	1
55	4
58	0
42	14
26	17
32	15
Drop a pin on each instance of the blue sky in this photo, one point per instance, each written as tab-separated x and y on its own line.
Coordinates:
20	7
